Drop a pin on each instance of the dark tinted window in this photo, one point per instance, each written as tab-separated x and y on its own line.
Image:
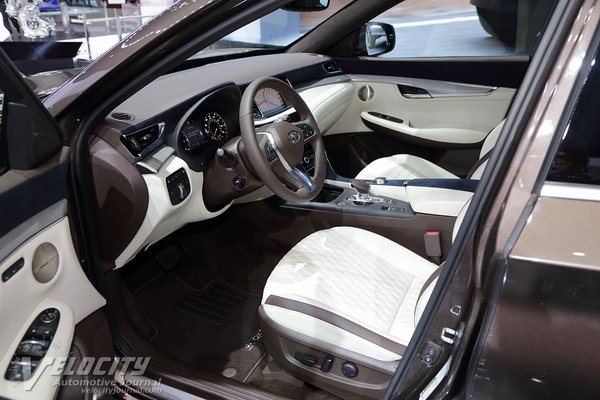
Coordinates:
578	157
3	163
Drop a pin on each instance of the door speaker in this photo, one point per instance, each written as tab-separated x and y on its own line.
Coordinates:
45	263
366	93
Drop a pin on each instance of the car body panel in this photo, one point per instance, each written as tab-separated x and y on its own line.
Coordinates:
537	276
550	292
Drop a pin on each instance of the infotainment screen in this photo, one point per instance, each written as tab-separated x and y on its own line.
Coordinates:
269	101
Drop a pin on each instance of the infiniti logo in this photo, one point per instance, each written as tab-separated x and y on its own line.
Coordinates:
294	137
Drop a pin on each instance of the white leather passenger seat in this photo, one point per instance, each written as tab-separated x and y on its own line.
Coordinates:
354	275
341	306
352	289
405	166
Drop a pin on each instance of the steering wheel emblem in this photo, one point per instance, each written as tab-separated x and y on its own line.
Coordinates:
294	137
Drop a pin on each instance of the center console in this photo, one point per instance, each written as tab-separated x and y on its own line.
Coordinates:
347	200
391	198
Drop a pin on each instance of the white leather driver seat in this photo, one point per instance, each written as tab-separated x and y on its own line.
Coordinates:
406	166
350	294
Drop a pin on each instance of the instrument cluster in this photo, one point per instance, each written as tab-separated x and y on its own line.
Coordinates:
210	127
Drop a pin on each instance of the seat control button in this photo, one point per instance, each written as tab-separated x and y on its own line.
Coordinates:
305	359
327	364
350	370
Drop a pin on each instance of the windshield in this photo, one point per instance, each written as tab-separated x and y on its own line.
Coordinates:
275	30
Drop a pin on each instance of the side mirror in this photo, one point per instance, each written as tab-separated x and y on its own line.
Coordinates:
306	5
376	38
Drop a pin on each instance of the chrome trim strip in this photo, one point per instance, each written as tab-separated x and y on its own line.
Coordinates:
571	191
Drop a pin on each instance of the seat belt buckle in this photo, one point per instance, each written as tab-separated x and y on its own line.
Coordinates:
433	246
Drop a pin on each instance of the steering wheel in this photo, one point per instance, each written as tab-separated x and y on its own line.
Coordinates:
277	149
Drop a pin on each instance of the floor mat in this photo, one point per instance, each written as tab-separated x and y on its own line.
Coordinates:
205	328
214	304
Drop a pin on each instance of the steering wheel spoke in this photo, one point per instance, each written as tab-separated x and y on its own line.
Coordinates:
267	143
300	177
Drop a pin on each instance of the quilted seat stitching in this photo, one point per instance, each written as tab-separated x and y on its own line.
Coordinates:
317	249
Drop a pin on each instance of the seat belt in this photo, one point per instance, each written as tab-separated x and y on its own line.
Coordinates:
479	163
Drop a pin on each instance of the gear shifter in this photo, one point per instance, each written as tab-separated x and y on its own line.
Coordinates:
363	195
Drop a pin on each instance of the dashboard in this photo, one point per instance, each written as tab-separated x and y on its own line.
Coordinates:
166	138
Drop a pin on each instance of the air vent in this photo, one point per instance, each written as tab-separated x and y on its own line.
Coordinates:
331	67
122	116
138	142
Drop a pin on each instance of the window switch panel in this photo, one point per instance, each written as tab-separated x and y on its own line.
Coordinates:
33	346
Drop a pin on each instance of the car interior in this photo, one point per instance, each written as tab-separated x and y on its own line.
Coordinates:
316	290
280	219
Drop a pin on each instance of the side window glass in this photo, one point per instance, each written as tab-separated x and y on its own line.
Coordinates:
466	28
578	156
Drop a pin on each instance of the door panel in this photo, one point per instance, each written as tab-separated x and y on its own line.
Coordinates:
22	298
443	122
454	118
44	291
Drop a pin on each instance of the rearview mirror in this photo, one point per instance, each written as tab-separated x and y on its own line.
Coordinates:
306	5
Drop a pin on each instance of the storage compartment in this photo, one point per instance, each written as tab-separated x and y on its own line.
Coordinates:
328	194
